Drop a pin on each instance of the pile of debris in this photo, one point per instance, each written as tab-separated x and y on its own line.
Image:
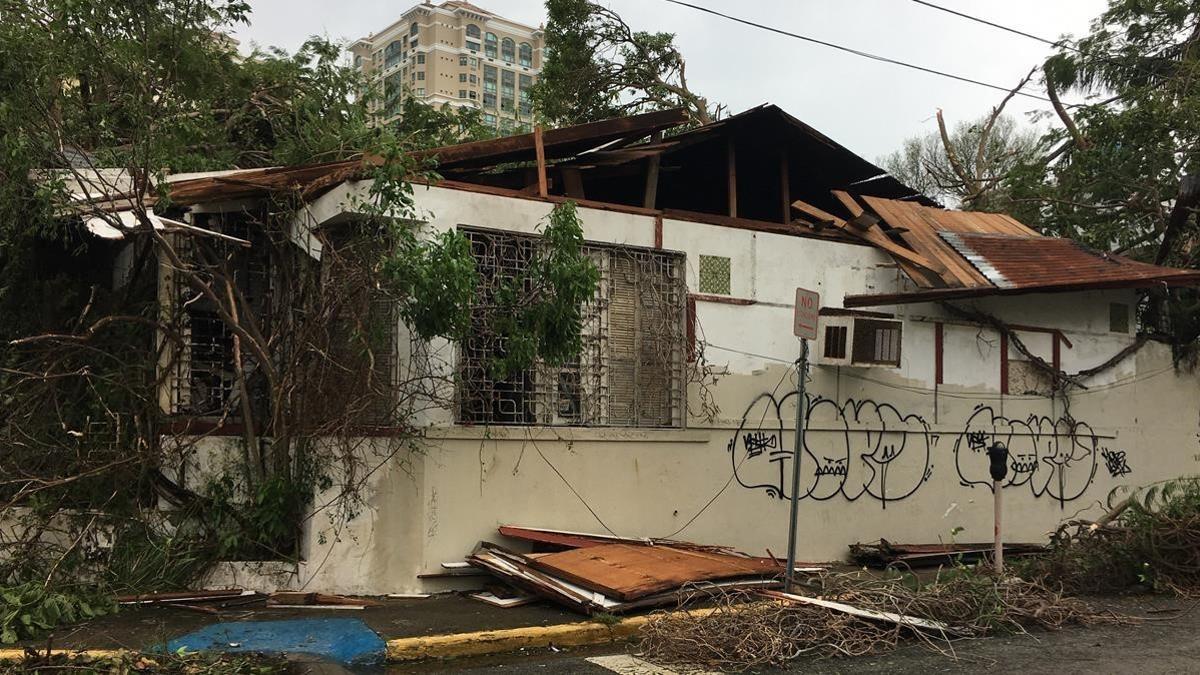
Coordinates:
884	554
592	574
854	615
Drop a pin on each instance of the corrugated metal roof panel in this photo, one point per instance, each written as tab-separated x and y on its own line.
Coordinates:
1046	261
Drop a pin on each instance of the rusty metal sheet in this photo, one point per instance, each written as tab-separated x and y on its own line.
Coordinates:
630	572
1028	262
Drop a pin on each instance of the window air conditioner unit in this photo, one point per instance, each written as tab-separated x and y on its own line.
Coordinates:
859	341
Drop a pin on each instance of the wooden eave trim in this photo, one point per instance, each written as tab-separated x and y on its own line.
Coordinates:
722	299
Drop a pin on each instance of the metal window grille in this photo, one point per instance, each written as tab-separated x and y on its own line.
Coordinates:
714	274
361	337
203	381
630	370
877	341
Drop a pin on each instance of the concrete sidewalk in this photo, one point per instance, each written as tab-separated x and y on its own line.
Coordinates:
443	626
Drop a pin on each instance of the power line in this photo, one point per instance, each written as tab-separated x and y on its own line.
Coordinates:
857	52
1052	43
1062	44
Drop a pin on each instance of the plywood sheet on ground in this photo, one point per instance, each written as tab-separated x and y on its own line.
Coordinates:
631	572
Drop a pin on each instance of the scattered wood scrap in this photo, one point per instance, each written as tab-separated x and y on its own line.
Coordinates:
181	597
291	600
905	620
884	554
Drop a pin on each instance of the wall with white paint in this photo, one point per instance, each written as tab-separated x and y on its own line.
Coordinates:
891	452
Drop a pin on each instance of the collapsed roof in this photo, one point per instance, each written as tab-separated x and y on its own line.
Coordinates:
762	169
968	254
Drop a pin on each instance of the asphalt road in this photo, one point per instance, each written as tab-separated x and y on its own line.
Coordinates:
1165	638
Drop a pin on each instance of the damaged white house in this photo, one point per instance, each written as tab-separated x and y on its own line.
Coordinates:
676	421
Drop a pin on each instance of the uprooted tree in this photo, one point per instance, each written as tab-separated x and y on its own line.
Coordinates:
98	428
597	67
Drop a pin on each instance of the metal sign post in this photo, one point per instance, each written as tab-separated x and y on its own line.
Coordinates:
808	305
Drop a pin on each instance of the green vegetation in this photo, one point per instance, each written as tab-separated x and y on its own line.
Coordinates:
1151	543
132	662
598	67
88	454
29	610
1117	170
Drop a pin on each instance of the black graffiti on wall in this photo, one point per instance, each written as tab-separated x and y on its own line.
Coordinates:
862	448
873	450
1115	462
1055	458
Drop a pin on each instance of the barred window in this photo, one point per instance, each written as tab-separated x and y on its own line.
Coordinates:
630	371
357	344
203	381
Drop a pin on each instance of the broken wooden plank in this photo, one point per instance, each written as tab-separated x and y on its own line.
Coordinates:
890	617
540	152
651	192
201	609
930	277
923	237
873	236
180	596
302	599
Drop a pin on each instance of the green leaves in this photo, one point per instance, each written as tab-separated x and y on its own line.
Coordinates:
598	67
435	281
29	610
540	311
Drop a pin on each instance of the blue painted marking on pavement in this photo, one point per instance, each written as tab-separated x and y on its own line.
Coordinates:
347	641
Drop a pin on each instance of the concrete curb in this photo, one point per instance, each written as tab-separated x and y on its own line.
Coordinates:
19	654
482	643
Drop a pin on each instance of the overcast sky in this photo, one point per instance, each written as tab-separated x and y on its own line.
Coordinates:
867	106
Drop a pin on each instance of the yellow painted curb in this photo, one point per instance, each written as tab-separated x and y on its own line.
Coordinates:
481	643
19	654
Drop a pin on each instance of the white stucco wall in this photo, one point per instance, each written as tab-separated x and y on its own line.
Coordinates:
890	453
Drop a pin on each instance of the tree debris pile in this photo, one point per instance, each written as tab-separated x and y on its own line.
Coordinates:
1151	538
747	630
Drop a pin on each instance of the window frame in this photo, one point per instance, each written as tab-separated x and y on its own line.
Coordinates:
644	394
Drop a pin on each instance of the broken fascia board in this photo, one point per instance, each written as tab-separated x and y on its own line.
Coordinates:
891	617
179	177
102	226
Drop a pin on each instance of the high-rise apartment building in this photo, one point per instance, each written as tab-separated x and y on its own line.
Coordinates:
454	53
